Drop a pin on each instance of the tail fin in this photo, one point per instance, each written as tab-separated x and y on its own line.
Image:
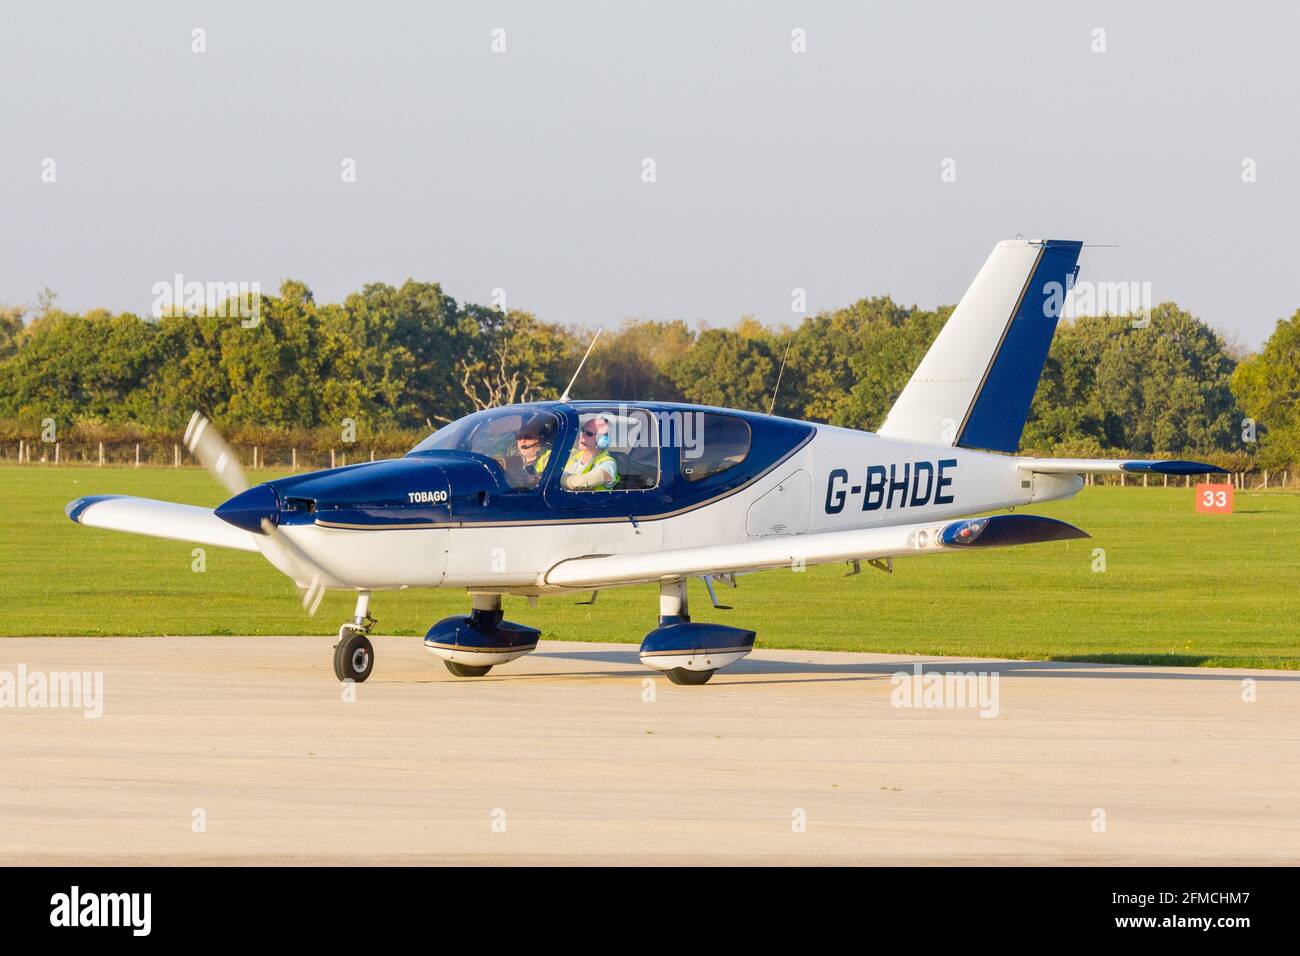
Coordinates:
974	386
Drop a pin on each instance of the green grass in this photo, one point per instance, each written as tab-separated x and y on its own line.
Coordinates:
1179	588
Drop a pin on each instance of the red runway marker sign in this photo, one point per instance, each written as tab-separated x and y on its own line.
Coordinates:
1214	499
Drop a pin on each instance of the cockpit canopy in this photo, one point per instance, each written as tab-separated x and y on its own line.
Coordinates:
652	445
498	433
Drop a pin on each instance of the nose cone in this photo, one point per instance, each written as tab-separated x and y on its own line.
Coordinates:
250	508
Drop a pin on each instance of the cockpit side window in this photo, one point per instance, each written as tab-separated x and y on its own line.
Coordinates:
722	442
615	449
520	440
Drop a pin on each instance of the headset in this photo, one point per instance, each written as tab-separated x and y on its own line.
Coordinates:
603	440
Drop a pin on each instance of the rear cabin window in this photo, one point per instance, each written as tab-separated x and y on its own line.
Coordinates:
721	442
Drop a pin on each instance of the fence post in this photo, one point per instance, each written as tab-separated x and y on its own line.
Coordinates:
372	454
295	459
176	456
331	457
21	443
56	453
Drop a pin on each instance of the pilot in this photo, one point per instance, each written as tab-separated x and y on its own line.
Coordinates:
590	466
533	453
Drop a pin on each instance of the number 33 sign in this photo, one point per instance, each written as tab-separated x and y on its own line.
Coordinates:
1214	499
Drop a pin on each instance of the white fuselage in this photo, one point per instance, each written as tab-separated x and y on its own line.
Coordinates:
841	479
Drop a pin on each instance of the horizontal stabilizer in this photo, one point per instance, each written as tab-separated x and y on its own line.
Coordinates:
159	519
798	551
1100	466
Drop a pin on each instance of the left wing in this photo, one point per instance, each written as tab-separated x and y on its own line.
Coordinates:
160	519
826	547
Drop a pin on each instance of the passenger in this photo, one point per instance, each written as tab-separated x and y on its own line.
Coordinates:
533	453
590	466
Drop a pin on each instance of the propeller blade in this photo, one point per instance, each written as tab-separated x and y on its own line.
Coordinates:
206	444
305	569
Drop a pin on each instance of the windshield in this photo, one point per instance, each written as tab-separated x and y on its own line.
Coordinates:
519	439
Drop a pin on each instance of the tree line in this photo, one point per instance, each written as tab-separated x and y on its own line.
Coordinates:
405	359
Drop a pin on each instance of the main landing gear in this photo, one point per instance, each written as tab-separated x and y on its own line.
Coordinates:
689	652
471	645
354	655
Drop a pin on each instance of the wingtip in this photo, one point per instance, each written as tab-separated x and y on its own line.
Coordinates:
77	507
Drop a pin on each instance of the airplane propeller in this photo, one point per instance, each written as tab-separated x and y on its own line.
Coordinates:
206	444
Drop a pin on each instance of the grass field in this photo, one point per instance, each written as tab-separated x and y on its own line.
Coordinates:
1178	588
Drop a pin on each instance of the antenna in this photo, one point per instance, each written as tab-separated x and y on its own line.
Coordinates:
569	387
779	373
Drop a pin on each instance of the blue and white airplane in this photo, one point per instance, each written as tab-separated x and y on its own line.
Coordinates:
553	498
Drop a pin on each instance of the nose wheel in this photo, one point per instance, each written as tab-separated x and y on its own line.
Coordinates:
354	655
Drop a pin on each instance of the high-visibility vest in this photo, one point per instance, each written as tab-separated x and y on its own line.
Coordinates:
571	468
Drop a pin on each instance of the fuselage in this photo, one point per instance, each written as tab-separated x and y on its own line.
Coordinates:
463	510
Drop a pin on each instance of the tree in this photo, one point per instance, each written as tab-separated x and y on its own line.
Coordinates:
70	367
1268	387
11	327
889	347
516	359
731	368
1156	388
636	362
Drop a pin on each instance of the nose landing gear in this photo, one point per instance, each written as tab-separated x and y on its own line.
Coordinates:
354	655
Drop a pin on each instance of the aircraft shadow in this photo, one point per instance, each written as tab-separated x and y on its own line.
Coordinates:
867	671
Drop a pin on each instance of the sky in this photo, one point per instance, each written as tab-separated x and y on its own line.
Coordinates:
886	157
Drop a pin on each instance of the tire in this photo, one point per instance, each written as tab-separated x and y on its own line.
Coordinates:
680	675
354	657
468	670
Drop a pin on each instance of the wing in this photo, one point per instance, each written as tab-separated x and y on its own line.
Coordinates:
825	547
161	519
1078	466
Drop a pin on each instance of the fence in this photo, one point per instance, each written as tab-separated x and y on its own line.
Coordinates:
1241	480
174	455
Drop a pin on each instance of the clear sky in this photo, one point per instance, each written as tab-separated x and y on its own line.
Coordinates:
523	169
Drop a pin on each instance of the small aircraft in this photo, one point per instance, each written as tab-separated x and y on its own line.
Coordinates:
567	497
